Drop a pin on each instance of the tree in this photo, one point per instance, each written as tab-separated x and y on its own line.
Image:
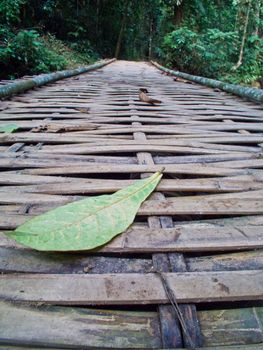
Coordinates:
244	36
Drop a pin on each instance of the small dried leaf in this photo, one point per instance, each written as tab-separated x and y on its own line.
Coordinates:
83	110
54	128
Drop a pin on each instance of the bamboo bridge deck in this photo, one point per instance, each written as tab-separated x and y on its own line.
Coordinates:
202	229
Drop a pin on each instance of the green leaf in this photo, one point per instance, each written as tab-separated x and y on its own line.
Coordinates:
9	128
88	223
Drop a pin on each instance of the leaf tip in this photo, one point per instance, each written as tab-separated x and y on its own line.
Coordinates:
161	170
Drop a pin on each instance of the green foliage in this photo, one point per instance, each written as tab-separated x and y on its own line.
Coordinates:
208	40
201	53
25	52
28	51
10	11
88	223
197	36
74	53
252	68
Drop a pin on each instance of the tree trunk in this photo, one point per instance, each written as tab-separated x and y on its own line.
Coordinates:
150	39
123	22
178	15
241	53
97	18
257	17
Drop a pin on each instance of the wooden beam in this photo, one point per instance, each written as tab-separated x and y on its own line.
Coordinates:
77	328
135	288
66	185
198	169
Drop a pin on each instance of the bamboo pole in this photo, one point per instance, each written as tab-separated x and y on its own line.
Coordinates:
17	87
243	91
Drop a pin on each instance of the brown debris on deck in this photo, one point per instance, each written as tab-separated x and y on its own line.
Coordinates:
201	231
55	128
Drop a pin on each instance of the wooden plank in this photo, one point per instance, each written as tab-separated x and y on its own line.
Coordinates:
20	159
232	326
34	158
223	139
195	237
172	129
196	205
235	126
206	205
198	169
196	114
68	101
51	138
60	138
136	288
221	117
84	137
180	115
240	164
43	162
77	328
11	221
234	347
43	109
32	115
252	260
15	178
19	260
193	148
241	139
206	158
15	147
7	197
131	149
67	185
152	119
227	150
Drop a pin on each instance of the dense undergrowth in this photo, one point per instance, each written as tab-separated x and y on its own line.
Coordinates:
27	47
221	39
27	52
218	39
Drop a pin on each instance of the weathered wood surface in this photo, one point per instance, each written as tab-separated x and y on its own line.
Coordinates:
181	238
235	347
232	326
70	185
77	327
237	203
209	205
60	327
186	169
101	289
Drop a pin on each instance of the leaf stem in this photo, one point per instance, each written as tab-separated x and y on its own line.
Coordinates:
162	170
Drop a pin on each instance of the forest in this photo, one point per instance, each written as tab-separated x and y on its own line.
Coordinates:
221	39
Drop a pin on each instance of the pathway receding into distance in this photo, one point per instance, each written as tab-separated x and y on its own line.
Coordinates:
90	135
